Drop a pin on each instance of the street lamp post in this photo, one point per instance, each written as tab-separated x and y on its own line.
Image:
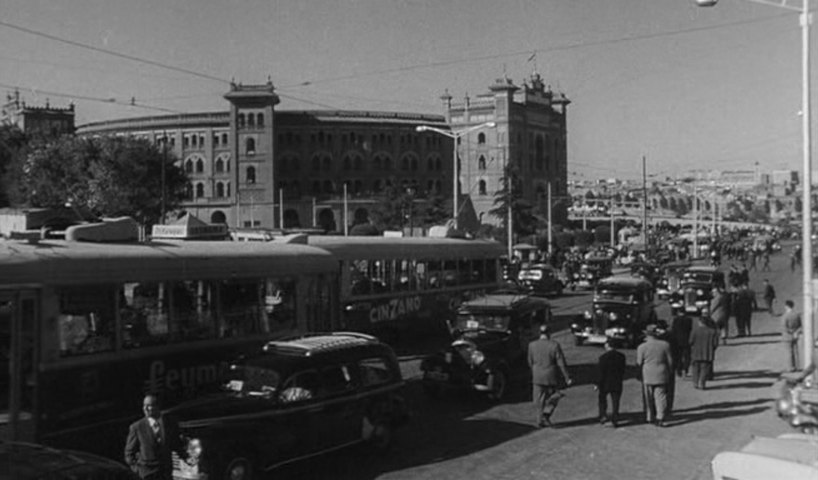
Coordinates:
454	135
806	209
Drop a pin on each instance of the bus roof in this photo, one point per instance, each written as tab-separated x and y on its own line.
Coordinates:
355	248
58	262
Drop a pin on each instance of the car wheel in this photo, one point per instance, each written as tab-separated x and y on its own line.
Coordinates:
239	468
498	380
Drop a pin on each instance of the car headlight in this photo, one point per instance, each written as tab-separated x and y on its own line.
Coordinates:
699	292
587	315
477	357
613	316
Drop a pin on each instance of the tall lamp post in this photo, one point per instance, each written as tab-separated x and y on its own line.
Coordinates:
806	208
454	135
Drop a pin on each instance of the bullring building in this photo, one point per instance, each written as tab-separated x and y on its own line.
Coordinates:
255	166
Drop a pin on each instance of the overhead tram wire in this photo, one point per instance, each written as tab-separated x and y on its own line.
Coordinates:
113	53
110	101
527	53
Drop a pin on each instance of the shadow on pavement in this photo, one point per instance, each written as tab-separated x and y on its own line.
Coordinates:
732	375
740	385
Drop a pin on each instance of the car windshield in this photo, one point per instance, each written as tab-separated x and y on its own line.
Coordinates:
698	277
482	321
252	380
613	296
531	275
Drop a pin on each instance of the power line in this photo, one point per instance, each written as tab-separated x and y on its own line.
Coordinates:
112	101
527	53
112	52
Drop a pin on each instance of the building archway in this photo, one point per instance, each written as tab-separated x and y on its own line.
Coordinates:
291	219
218	217
326	220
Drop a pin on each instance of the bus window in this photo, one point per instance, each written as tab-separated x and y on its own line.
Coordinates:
279	306
435	274
256	306
490	271
406	275
450	273
361	285
420	271
192	314
143	313
377	275
468	275
86	321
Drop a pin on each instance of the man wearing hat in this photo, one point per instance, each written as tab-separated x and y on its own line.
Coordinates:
655	361
548	371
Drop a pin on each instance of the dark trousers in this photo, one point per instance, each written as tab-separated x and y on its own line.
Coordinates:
683	362
603	404
702	371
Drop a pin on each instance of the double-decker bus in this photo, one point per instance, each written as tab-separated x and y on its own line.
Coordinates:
87	328
407	287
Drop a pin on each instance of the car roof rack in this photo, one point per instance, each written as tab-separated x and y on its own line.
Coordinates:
306	345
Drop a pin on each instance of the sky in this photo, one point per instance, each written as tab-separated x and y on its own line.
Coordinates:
682	86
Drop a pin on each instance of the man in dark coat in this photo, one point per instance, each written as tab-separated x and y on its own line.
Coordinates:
743	306
769	295
611	373
548	372
720	311
704	339
151	441
680	334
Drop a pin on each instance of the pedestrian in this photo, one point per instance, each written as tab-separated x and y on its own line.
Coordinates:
790	333
680	333
151	441
611	373
653	357
743	305
769	295
720	311
549	372
765	267
704	339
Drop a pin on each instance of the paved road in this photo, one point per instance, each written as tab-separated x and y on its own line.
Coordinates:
466	437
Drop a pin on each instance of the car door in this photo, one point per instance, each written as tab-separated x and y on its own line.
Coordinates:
337	413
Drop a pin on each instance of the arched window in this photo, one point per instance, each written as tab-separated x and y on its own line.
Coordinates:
481	187
199	190
199	166
241	120
251	175
539	148
438	187
251	120
250	146
316	187
316	164
226	189
347	164
219	190
189	191
260	119
438	165
430	186
405	164
359	186
359	163
376	163
295	189
328	187
481	163
414	164
481	138
189	166
219	165
377	186
327	164
430	164
387	163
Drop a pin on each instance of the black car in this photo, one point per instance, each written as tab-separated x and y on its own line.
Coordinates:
647	270
622	308
541	279
695	289
28	461
670	278
296	399
490	343
592	270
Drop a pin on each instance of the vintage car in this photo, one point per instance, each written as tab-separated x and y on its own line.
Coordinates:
695	289
541	279
28	461
592	270
670	278
298	398
792	456
490	343
622	308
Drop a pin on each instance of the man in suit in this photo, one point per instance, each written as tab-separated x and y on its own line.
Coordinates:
704	339
547	362
151	441
680	333
744	304
790	333
720	312
611	374
655	360
769	295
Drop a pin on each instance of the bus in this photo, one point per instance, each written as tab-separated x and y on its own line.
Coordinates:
405	288
87	328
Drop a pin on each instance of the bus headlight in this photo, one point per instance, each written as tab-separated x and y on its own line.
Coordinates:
613	316
587	315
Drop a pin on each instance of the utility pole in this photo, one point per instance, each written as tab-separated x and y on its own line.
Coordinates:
550	235
645	205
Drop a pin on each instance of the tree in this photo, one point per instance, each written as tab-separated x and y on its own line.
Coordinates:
524	221
106	176
394	209
13	143
435	212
